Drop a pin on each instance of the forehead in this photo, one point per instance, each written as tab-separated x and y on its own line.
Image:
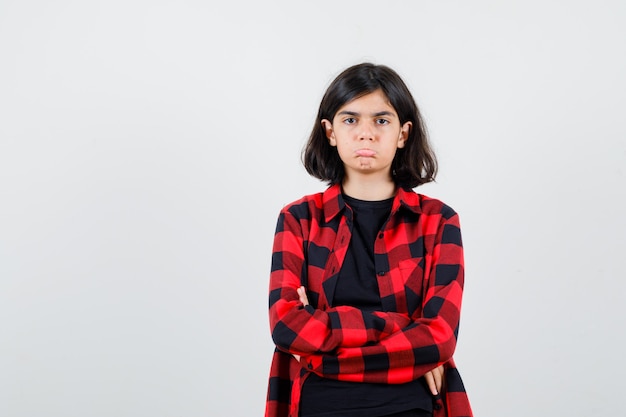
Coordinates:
373	102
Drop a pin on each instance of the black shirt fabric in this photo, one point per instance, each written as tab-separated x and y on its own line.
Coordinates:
357	286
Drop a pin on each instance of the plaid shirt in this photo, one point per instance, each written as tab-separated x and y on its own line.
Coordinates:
419	262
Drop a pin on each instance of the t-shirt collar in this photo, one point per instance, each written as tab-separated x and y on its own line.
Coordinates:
333	202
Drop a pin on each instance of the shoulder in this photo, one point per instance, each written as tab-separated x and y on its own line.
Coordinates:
302	207
435	206
324	204
426	205
439	219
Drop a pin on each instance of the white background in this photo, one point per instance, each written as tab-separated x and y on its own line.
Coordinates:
146	148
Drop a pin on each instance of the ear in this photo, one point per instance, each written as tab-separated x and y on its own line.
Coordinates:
404	134
330	133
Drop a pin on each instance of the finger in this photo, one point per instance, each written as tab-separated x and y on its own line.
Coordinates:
438	377
430	381
302	294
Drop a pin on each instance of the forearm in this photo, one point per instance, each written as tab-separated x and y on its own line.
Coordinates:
381	363
301	329
404	356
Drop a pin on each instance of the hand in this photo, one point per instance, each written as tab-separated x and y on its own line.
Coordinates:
434	379
302	294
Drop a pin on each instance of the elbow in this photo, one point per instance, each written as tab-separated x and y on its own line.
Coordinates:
445	339
282	336
281	313
446	349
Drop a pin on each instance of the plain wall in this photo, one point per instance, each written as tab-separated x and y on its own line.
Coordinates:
146	148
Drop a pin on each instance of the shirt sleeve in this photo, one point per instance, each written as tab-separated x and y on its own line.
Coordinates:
306	330
430	340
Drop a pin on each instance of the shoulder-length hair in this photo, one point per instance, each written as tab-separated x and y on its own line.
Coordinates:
413	165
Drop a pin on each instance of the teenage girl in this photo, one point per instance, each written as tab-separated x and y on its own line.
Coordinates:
367	276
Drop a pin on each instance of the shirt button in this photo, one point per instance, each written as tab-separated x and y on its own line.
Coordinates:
381	273
381	235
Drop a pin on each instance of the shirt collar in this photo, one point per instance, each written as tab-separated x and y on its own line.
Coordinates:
334	204
409	199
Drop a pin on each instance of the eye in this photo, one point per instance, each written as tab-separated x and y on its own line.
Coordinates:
382	121
349	120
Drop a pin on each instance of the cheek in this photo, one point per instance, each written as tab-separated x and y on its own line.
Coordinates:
344	151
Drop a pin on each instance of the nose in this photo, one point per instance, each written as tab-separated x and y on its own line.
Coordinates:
366	132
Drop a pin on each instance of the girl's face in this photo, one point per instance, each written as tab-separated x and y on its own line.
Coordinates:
367	132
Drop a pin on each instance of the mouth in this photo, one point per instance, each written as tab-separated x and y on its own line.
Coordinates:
365	152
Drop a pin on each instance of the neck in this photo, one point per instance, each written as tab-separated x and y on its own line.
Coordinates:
374	189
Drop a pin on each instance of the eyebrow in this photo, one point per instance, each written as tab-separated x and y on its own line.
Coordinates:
377	114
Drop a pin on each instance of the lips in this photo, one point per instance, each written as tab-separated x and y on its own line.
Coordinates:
365	152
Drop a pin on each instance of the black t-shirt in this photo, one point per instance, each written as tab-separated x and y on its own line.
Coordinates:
357	287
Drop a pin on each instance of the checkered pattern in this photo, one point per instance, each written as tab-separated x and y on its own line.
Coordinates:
418	257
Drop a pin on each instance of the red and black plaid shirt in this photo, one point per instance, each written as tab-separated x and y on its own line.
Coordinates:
418	257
